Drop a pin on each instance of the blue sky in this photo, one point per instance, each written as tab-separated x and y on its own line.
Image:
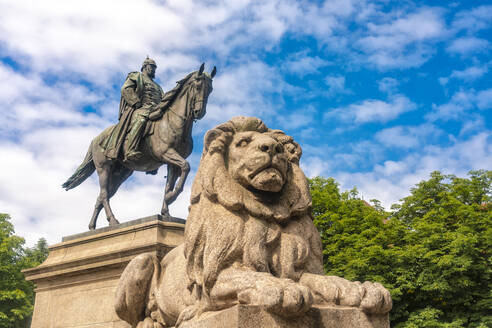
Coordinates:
378	93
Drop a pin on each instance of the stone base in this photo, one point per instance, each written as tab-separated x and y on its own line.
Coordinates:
77	282
244	316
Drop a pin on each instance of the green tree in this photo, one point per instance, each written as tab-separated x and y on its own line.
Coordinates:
432	252
446	251
16	294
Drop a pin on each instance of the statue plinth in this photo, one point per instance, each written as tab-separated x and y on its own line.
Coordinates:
248	316
77	282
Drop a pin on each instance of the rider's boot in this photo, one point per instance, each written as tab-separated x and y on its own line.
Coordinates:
134	137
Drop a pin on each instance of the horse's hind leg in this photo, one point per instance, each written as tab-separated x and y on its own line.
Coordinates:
104	172
97	209
112	180
102	198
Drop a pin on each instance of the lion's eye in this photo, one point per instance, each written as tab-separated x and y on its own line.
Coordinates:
242	142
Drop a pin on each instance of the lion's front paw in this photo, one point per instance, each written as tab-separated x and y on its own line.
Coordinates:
377	299
370	297
297	299
149	323
281	296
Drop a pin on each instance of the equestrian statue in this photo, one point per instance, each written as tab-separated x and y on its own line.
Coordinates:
154	128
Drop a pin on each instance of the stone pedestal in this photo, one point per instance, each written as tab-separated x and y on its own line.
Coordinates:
77	282
244	316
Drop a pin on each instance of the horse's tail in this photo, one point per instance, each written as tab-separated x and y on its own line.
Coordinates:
83	171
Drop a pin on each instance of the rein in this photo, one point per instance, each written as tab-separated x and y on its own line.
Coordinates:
189	112
186	116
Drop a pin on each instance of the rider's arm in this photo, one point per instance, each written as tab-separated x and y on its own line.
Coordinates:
128	91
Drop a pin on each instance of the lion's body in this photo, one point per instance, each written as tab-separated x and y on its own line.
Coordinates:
249	237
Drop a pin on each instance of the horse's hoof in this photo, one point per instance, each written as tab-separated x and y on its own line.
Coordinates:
113	222
92	227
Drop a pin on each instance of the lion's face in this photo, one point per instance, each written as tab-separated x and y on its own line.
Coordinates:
257	160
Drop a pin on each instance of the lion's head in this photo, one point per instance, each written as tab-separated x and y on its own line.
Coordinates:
257	161
247	166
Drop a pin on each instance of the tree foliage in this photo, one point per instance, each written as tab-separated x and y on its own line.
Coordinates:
16	294
432	251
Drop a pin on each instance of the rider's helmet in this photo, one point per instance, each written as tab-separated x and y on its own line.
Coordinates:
148	61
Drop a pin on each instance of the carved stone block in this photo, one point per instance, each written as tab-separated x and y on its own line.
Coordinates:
247	316
77	282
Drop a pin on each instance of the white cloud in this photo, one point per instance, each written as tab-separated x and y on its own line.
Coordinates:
99	39
484	99
473	20
472	125
468	74
388	85
297	118
392	180
403	42
373	110
336	85
357	155
249	88
32	104
302	64
323	20
468	45
314	166
461	102
424	24
406	136
30	187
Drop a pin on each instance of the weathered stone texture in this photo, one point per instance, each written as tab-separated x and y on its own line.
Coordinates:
247	316
77	282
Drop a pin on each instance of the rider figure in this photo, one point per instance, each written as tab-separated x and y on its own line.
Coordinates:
139	97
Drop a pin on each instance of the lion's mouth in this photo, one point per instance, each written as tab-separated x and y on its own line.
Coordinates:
269	179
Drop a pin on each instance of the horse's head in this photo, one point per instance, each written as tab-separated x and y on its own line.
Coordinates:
201	87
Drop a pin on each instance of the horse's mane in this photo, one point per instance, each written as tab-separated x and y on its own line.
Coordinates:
170	96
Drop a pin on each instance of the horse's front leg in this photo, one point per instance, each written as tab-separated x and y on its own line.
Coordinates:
172	176
172	158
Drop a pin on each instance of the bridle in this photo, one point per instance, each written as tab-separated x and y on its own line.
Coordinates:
191	105
198	97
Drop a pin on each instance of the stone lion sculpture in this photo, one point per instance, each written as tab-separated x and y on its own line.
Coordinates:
249	239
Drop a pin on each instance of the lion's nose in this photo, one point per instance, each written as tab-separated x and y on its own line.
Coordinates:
270	146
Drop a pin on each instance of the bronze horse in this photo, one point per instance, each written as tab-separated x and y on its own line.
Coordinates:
170	143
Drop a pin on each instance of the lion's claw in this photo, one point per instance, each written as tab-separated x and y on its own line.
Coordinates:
377	299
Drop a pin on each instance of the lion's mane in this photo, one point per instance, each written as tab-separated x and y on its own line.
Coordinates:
223	212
